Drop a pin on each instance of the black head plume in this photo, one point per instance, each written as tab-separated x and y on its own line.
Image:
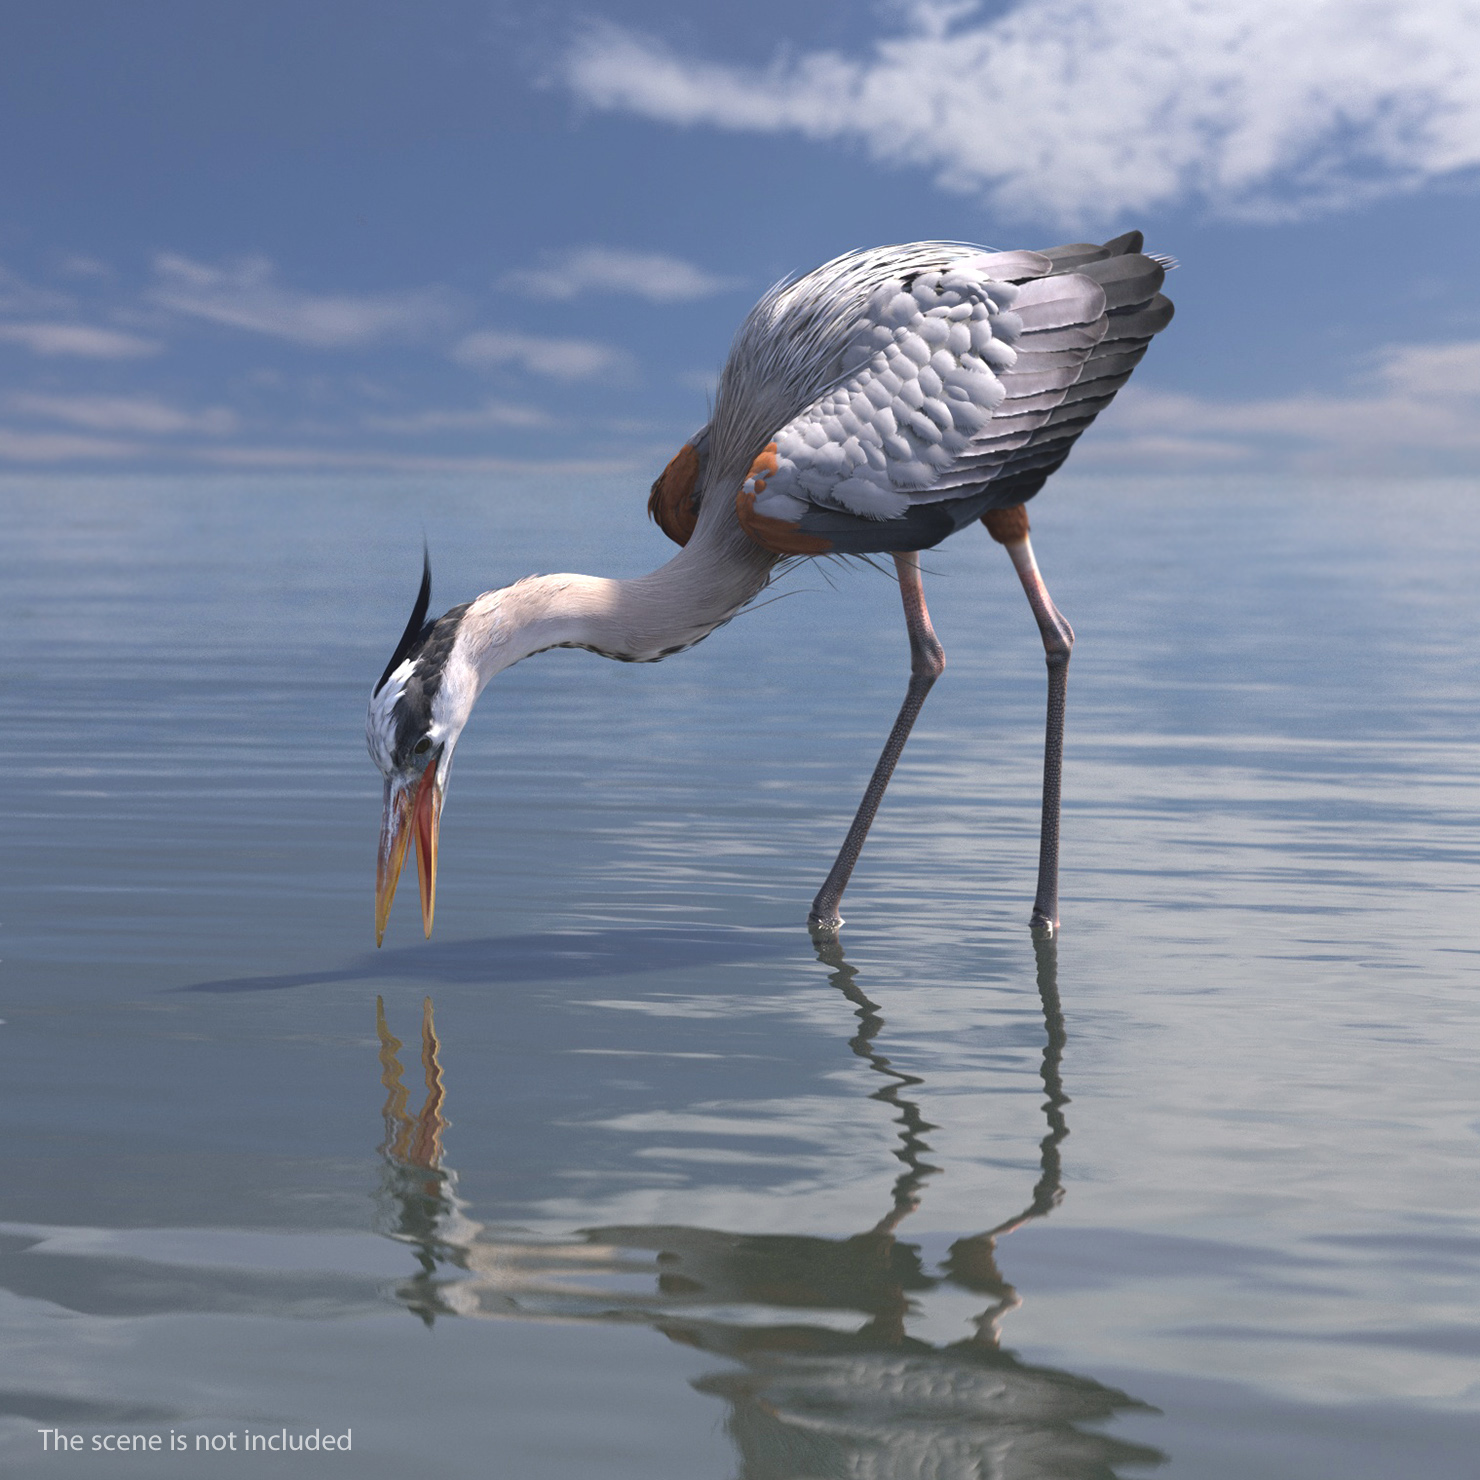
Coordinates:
417	622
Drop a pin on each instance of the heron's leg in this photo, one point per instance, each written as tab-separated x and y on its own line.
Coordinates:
927	663
1009	527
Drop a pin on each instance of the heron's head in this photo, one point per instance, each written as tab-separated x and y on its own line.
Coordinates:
417	711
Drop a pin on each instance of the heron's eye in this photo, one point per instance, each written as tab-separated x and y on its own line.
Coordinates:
422	746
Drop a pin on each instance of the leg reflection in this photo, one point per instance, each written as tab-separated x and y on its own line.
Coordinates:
972	1262
913	1125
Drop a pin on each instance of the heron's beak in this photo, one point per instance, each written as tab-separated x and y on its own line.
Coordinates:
408	813
426	818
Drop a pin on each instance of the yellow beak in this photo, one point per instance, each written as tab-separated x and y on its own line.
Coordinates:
408	815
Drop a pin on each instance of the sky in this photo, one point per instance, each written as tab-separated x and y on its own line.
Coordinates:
411	237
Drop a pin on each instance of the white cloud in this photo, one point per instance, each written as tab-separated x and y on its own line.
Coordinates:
55	447
1417	408
79	340
652	275
59	448
246	295
1083	110
493	414
330	458
564	359
142	414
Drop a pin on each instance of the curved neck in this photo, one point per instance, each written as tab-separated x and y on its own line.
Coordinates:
638	620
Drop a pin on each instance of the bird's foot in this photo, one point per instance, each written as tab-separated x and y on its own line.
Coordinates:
1042	927
825	925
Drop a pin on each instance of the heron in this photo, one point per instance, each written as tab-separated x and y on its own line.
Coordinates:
871	407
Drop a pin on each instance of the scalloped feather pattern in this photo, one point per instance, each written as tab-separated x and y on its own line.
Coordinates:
935	357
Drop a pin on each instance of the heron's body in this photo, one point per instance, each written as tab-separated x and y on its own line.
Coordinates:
877	405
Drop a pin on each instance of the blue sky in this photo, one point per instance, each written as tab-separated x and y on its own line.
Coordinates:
446	235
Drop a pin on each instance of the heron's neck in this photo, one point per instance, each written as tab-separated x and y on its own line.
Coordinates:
638	620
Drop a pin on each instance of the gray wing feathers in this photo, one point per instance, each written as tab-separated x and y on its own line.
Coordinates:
961	380
1063	323
1135	310
1013	267
1069	304
947	372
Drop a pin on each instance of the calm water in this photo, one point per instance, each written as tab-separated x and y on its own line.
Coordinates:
619	1176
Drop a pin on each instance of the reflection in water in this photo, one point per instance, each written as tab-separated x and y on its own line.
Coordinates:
808	1398
417	1203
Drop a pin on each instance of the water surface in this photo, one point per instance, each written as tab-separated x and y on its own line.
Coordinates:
620	1175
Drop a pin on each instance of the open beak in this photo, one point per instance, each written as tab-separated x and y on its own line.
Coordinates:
408	813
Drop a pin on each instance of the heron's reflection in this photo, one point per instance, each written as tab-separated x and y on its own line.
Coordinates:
417	1203
809	1397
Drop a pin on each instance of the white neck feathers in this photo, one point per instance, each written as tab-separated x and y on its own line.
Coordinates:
638	620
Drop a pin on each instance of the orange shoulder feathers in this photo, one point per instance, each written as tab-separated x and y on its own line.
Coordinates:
673	504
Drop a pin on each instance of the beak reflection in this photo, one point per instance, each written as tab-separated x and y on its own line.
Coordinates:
410	811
